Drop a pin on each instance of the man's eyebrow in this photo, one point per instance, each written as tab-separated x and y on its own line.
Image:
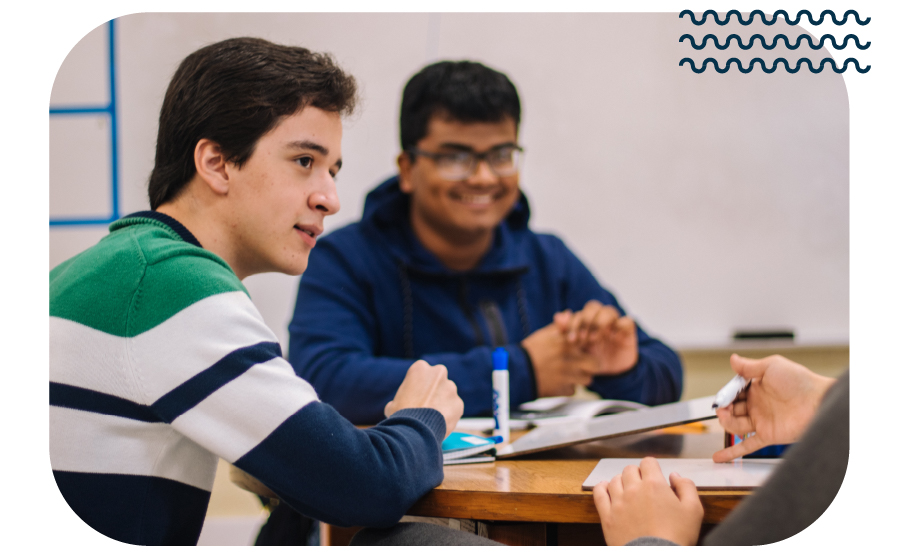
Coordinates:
308	145
314	146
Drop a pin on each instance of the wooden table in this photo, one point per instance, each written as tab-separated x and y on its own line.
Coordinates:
537	499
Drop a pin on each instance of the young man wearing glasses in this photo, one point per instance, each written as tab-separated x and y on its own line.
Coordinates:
442	266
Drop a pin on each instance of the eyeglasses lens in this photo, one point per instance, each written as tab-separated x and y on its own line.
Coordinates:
504	162
460	166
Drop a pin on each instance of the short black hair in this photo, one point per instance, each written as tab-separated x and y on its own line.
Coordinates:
233	92
464	91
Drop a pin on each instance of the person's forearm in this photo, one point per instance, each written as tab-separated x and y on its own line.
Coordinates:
323	467
657	377
360	385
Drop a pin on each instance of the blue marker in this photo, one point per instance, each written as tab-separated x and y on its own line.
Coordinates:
501	394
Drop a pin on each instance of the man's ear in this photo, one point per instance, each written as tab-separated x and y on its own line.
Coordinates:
211	166
404	162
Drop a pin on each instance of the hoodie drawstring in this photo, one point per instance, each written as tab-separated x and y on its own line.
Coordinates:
522	308
407	311
406	285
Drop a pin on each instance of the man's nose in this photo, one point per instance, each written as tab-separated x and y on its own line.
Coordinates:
483	173
325	199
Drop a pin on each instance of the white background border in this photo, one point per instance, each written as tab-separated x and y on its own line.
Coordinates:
37	40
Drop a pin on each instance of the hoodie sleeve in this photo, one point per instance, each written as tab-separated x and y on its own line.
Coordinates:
657	377
335	328
332	338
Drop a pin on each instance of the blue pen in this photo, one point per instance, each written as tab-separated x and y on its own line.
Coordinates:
501	394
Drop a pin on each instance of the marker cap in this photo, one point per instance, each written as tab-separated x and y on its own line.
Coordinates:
500	359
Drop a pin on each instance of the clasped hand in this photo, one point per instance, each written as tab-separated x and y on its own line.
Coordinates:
576	347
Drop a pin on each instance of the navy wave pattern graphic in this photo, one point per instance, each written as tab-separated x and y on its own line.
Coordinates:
773	44
761	14
774	65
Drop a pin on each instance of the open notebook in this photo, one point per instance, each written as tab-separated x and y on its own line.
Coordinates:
460	448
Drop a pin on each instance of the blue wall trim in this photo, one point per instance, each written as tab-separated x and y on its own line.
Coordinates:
110	110
64	222
78	110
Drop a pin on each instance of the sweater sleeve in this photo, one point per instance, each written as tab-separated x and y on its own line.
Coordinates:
229	390
657	377
336	353
325	468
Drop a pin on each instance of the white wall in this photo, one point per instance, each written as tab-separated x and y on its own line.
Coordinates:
706	202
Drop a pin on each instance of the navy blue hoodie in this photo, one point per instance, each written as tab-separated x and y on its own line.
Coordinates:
373	300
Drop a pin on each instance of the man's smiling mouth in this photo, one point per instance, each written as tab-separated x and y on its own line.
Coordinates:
477	199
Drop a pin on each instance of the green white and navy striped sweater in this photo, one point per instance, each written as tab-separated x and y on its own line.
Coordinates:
160	364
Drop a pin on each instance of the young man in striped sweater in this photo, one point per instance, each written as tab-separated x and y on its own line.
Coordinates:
159	361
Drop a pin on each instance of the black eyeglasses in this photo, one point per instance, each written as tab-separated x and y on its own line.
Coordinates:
502	160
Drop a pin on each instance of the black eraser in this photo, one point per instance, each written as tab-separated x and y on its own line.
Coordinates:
764	334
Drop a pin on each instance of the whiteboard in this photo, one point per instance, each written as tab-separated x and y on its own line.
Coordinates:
708	203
